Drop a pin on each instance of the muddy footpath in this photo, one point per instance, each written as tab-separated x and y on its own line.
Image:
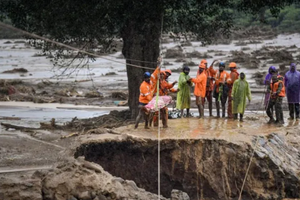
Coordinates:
72	138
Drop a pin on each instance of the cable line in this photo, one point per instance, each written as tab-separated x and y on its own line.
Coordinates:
67	46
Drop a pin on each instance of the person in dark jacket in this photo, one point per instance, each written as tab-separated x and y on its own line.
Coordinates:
292	84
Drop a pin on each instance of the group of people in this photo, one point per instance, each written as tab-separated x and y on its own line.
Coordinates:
218	84
148	90
211	83
278	88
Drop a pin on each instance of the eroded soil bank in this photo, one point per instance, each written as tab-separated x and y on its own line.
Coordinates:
204	168
75	180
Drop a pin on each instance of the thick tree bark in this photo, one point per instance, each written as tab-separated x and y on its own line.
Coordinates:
137	47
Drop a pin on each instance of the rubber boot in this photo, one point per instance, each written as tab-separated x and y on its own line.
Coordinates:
270	113
202	111
278	116
181	113
199	110
223	111
218	109
235	116
291	109
187	112
241	118
210	108
297	111
271	121
229	109
281	118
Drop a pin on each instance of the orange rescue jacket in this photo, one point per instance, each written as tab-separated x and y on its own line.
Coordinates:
147	89
275	88
210	80
219	77
200	84
165	88
234	75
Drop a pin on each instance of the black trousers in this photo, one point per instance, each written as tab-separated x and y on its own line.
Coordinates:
294	109
277	102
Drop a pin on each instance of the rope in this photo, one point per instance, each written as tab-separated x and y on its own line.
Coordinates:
158	138
241	191
67	46
158	131
268	101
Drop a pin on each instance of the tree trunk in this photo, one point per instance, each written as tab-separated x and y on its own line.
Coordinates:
139	46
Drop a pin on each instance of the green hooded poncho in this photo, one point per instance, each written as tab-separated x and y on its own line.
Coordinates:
240	91
184	95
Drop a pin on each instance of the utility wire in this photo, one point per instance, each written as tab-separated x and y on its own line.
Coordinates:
158	127
67	46
254	149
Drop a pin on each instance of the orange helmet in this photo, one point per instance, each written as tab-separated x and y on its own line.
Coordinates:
203	61
163	73
232	64
169	71
202	65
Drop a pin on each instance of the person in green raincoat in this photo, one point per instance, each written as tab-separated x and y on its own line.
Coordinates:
184	94
240	91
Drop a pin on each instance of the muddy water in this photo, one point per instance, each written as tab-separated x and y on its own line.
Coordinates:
32	116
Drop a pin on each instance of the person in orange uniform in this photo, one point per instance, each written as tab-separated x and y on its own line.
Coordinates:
164	89
170	86
277	92
281	78
209	86
220	87
234	75
146	94
168	73
200	88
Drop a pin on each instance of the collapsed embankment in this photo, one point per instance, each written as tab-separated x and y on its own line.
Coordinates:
203	168
75	180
